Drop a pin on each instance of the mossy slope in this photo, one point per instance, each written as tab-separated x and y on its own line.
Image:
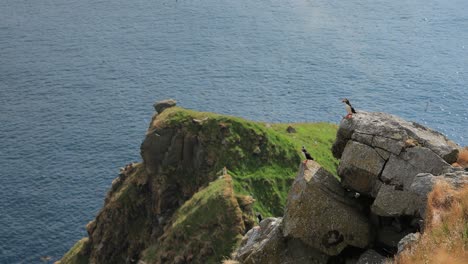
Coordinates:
205	228
262	160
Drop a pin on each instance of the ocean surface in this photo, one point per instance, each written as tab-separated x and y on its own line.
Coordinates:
78	79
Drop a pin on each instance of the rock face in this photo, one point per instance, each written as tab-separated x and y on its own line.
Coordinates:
148	211
392	134
264	244
387	169
161	105
319	214
393	163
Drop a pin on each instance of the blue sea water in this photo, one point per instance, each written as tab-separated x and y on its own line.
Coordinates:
78	80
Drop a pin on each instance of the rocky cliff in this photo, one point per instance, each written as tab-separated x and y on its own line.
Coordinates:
387	168
173	207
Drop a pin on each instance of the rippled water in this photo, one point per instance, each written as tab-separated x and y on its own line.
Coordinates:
78	79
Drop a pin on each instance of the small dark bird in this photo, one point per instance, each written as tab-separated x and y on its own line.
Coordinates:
306	154
349	109
259	217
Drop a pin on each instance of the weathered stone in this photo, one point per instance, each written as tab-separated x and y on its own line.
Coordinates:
388	144
359	167
319	214
264	244
407	241
371	257
383	153
394	132
164	104
424	182
362	138
391	202
402	169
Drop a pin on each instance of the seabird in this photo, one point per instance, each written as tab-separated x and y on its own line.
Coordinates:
306	154
259	217
349	108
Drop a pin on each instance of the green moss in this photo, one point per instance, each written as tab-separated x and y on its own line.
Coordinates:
207	227
75	255
262	159
317	138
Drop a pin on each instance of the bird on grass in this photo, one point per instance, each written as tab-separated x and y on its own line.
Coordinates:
349	109
306	154
259	217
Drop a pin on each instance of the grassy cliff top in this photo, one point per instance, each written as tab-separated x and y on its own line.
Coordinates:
262	158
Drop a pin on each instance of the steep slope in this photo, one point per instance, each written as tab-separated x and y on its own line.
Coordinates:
183	152
205	228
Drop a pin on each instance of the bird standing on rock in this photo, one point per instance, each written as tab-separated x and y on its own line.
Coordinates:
349	108
306	154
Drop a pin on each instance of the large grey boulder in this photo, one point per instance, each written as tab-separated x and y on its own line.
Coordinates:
265	244
392	202
164	104
401	170
391	133
378	149
319	214
360	167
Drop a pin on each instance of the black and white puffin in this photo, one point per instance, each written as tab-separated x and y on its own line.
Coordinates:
306	154
259	217
349	108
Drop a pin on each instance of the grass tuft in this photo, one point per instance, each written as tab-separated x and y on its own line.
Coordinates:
445	239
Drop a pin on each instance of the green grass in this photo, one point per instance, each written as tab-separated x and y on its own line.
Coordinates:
74	256
266	175
209	223
317	139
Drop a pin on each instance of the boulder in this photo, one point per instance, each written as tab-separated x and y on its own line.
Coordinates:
371	257
319	214
407	241
164	104
424	182
392	202
264	244
390	133
402	169
360	167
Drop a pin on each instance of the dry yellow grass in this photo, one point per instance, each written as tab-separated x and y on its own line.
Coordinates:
463	158
445	239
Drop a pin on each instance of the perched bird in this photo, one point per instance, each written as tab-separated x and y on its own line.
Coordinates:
349	108
259	217
306	154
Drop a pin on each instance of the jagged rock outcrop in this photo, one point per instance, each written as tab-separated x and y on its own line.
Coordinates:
264	244
320	221
183	152
392	134
387	169
319	213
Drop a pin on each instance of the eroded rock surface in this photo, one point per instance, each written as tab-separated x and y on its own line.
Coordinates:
319	213
265	244
391	133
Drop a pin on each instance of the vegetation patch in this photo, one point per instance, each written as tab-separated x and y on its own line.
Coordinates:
262	158
75	255
445	239
205	229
